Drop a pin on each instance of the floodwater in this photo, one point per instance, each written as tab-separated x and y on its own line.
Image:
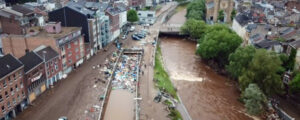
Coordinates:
205	94
120	105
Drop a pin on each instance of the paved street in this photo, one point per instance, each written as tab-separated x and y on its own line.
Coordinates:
76	95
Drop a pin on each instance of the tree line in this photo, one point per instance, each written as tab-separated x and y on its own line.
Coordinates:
258	71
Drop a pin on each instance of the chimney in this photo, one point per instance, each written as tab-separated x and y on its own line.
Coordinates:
26	51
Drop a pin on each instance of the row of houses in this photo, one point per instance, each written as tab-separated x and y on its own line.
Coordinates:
41	43
23	79
269	24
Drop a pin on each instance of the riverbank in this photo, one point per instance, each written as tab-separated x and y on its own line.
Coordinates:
163	83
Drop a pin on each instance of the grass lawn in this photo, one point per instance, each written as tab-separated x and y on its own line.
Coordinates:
161	76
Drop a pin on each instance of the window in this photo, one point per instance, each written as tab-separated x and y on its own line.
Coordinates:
17	89
8	104
14	101
6	94
3	109
4	84
52	70
69	46
150	15
15	77
47	65
9	80
70	61
77	57
12	91
48	73
76	50
20	74
23	94
56	67
63	56
1	99
62	49
19	98
21	84
70	53
76	42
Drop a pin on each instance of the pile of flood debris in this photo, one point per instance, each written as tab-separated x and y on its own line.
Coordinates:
126	73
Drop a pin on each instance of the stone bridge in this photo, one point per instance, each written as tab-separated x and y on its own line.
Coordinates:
170	29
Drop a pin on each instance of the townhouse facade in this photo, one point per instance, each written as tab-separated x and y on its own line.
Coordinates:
34	75
53	66
67	41
12	90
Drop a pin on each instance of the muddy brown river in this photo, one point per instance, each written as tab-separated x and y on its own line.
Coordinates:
205	94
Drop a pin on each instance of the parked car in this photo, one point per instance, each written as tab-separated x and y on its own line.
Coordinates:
63	118
124	37
134	37
141	35
132	28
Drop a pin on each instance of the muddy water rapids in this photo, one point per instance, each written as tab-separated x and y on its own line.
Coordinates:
205	94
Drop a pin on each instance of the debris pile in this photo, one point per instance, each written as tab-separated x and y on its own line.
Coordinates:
125	76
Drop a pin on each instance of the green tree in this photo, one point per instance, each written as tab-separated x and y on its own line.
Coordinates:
239	60
132	16
218	43
221	15
292	59
195	28
263	70
294	85
196	10
254	99
233	14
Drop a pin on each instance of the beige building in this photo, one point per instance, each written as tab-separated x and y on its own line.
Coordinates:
214	6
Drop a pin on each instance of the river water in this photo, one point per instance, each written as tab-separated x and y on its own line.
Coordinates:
205	94
120	105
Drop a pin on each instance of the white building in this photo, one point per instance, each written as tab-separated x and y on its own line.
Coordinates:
147	17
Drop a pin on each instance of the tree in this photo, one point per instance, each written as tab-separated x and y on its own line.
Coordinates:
196	10
239	60
294	85
218	43
132	16
254	99
195	28
263	70
233	14
292	59
221	15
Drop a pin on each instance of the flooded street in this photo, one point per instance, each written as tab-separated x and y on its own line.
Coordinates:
120	105
205	94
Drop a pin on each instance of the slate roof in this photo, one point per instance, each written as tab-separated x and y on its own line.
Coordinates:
287	31
22	9
49	53
242	19
79	7
101	6
295	44
266	43
8	64
30	60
